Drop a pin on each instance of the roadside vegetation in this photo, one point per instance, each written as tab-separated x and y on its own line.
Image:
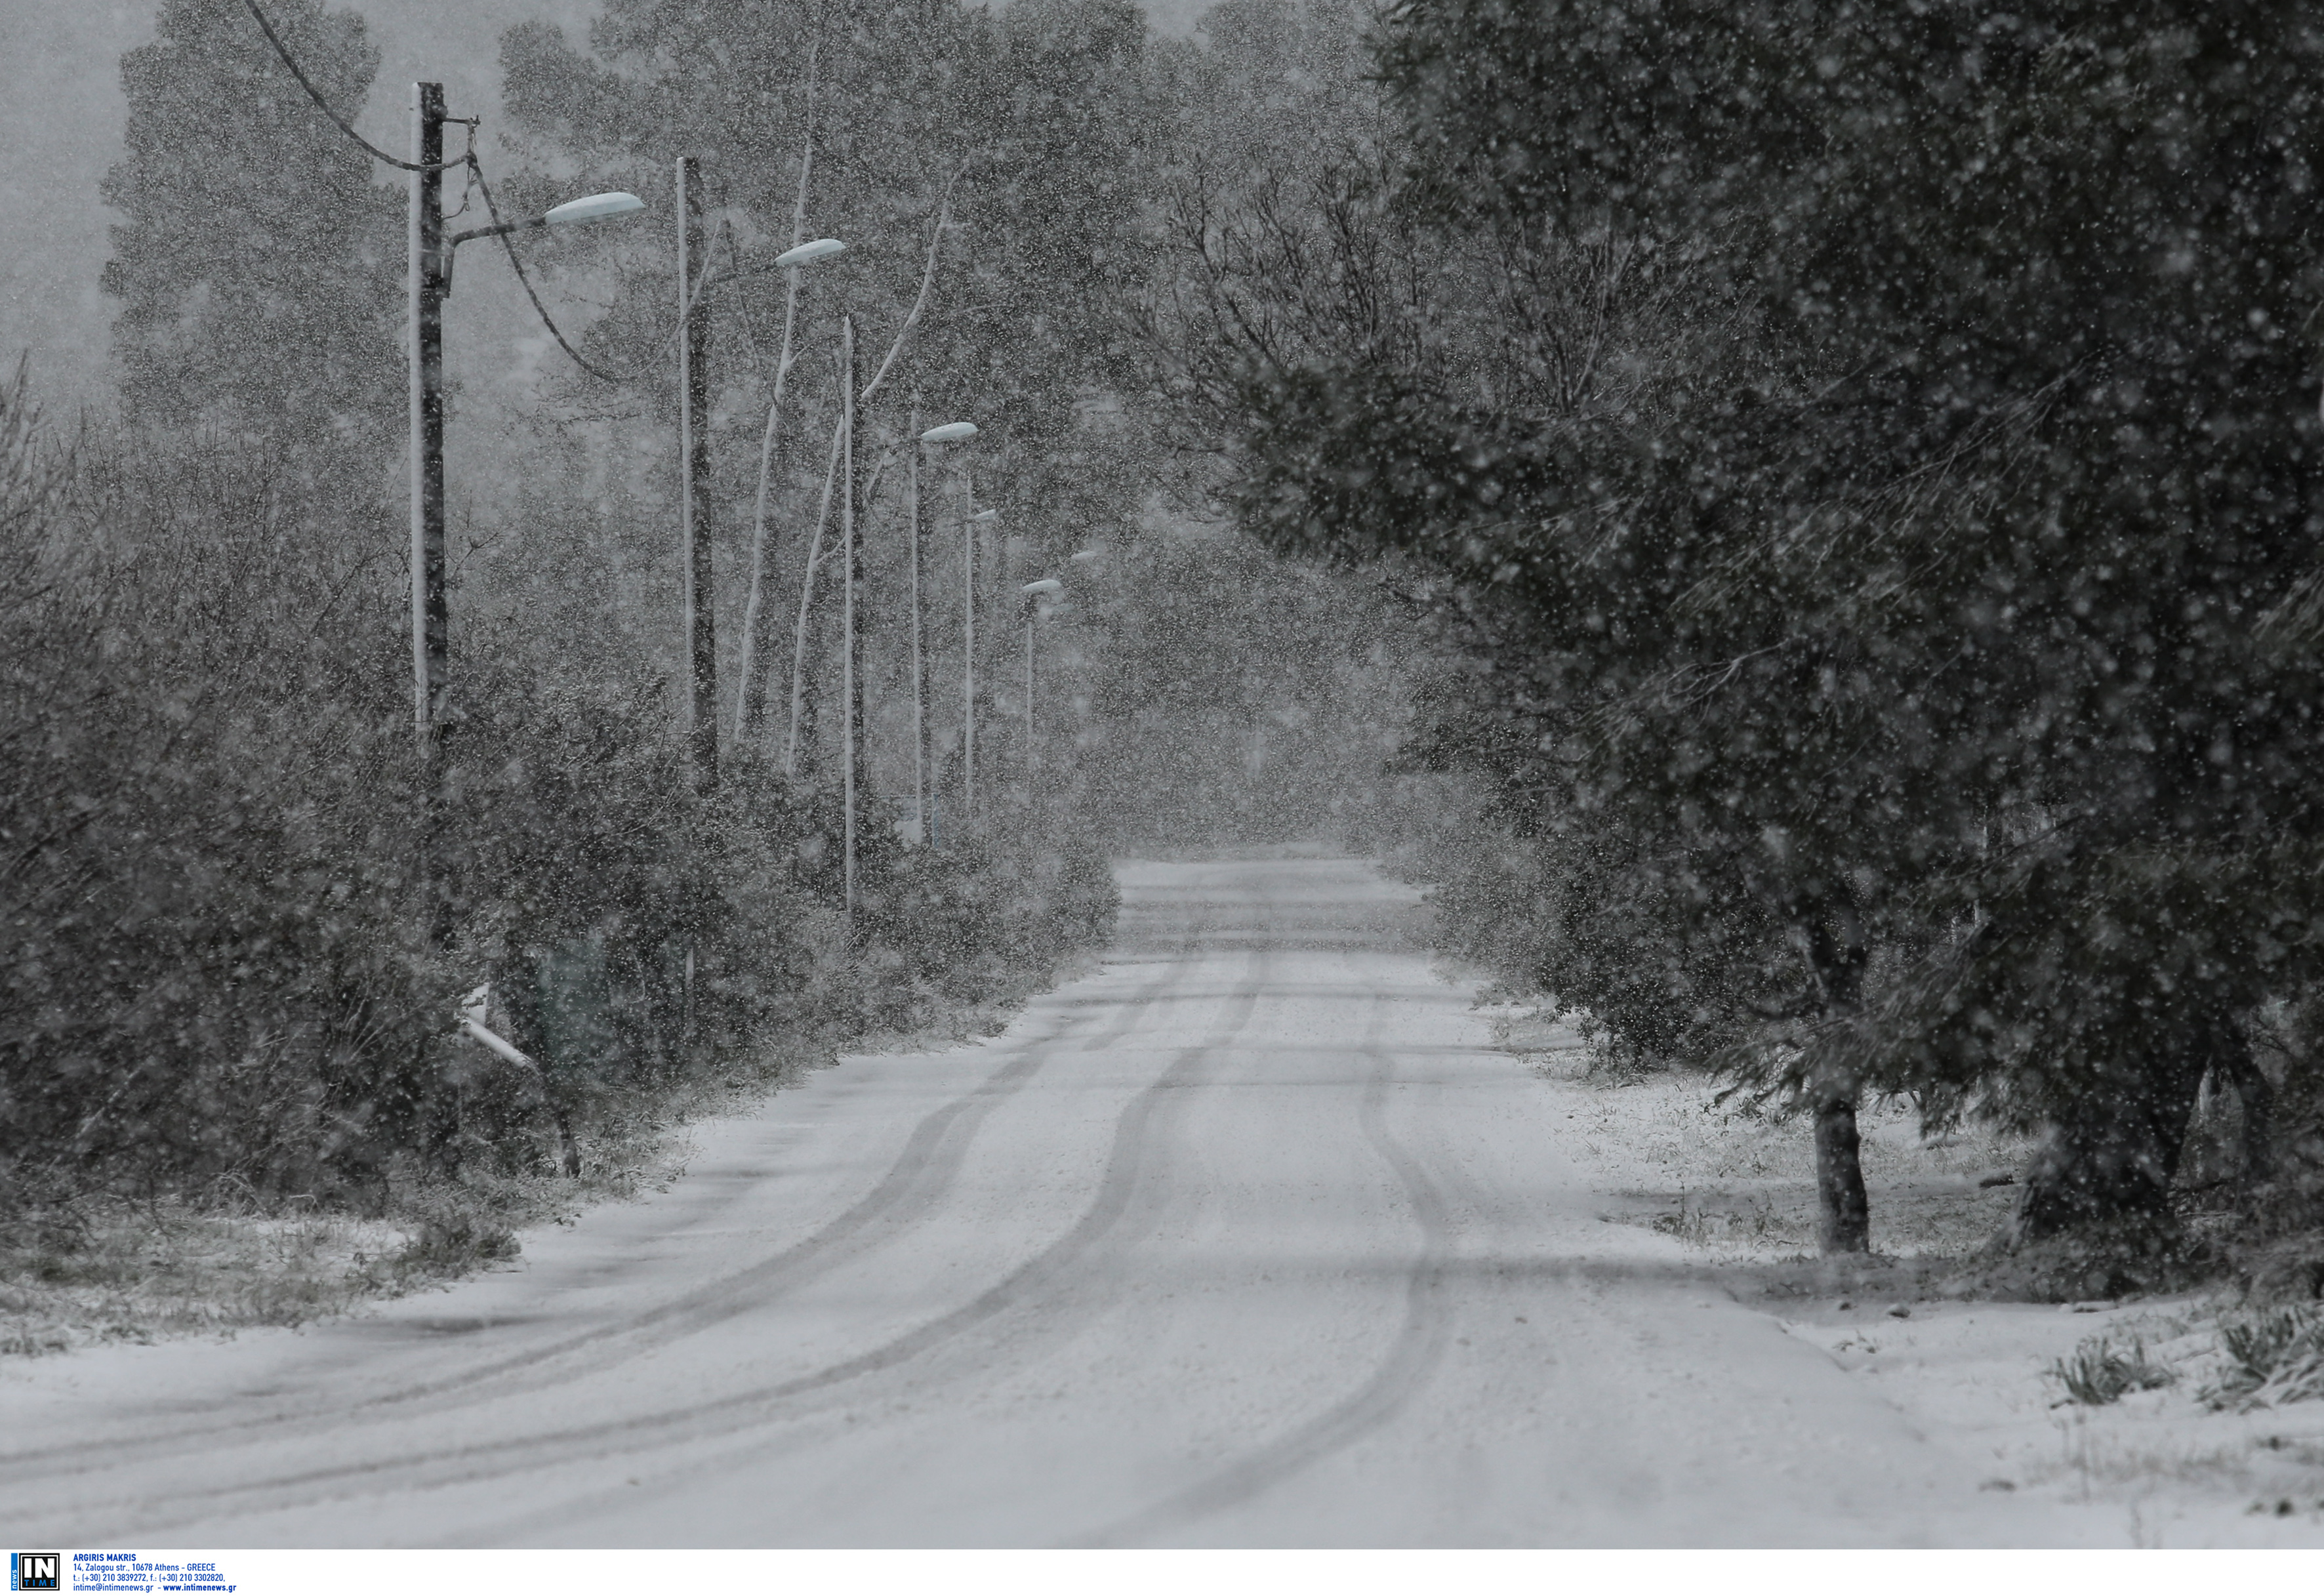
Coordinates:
225	1001
246	921
1819	569
1861	470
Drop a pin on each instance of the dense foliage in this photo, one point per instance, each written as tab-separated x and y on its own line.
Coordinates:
249	225
1871	454
218	961
223	968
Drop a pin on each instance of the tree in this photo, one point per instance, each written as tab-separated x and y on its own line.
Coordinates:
1219	695
258	261
1017	126
1908	630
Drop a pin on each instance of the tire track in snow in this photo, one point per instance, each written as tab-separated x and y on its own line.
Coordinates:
1412	1357
735	1411
908	1191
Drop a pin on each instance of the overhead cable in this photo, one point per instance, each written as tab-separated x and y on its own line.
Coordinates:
316	95
508	243
475	169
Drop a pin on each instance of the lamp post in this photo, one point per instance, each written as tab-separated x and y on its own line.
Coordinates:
427	284
919	680
849	715
700	622
955	433
695	281
1035	593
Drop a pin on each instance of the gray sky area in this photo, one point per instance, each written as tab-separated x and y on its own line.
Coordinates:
61	120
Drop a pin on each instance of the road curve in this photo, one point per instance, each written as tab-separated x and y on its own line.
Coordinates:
1246	1240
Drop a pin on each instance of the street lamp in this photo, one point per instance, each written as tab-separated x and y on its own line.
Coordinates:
590	208
427	283
695	281
1035	593
799	255
951	432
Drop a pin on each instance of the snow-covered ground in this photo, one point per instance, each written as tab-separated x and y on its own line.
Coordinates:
1736	1191
1255	1236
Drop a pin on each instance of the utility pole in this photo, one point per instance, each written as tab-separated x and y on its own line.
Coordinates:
920	697
851	714
968	647
692	469
424	287
430	613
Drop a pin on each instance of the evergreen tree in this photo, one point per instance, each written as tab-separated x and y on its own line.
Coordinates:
1898	660
258	263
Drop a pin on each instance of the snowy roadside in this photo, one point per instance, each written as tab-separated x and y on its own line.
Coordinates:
1978	1376
119	1269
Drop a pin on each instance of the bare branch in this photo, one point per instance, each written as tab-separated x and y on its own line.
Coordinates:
927	284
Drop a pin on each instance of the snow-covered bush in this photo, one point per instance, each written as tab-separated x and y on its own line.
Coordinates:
221	964
2100	1372
2269	1355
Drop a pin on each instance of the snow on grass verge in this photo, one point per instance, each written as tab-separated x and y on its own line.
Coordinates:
2193	1416
107	1268
113	1271
1740	1184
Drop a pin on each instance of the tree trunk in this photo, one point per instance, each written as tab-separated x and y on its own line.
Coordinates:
1837	952
1844	1214
807	747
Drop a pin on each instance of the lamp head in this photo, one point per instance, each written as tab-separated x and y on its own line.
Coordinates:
950	432
593	207
813	249
1044	585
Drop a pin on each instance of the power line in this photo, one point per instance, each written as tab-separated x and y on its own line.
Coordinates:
475	171
316	95
508	242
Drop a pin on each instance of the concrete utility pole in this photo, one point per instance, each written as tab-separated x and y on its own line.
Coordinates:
692	469
919	694
851	713
968	646
424	291
426	283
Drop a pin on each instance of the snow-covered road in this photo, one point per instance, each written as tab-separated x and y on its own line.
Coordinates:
1248	1239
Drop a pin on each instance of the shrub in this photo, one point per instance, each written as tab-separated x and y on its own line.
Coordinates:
2097	1374
2272	1356
222	965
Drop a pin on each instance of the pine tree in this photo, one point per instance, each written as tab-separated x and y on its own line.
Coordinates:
259	263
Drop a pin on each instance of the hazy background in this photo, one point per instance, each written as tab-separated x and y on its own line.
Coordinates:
60	116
